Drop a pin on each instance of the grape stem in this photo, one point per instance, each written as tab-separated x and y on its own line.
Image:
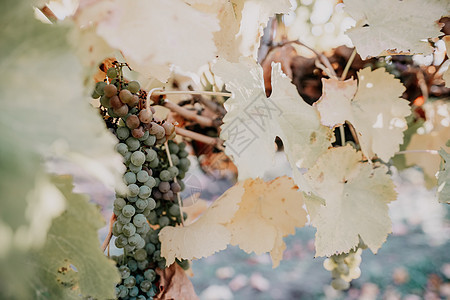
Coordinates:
434	152
349	64
200	137
109	235
180	205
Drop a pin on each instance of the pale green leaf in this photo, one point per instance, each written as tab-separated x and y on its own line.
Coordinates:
443	190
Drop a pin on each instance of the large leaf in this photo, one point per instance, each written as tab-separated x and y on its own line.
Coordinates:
255	215
394	26
356	197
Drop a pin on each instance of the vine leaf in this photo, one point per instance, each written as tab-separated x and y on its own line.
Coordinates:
380	31
174	284
71	262
433	135
446	75
376	110
443	190
150	48
356	197
253	121
253	214
241	24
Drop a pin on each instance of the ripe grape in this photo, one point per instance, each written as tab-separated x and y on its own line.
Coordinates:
168	128
125	96
175	187
110	90
138	132
121	111
132	122
164	187
145	116
140	255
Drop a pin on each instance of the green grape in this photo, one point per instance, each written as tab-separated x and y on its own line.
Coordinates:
173	148
157	255
137	158
94	94
99	87
150	248
132	265
134	239
144	192
123	291
143	230
119	203
174	210
151	154
173	171
132	199
150	141
133	144
151	203
123	133
163	221
140	255
153	237
165	175
182	145
140	245
151	182
153	218
139	278
154	163
145	285
129	282
121	241
141	204
340	284
129	177
134	168
150	274
134	86
342	268
184	164
175	159
133	190
129	229
122	219
128	210
112	113
183	154
122	148
129	248
124	271
127	157
121	111
145	136
134	291
111	73
181	175
117	228
142	176
106	102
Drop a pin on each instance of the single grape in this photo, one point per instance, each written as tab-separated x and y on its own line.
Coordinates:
94	94
134	239
142	176
145	136
161	140
141	204
182	145
164	187
145	116
151	182
150	274
151	154
110	90
115	102
121	148
134	291
169	128
150	141
129	282
173	171
129	177
121	241
145	285
175	187
172	136
129	248
129	229
140	255
138	132
121	111
174	210
168	196
154	163
163	221
132	199
139	278
150	248
154	128
133	190
106	102
99	88
112	113
144	192
137	158
153	237
123	291
151	203
342	268
122	219
184	164
134	86
134	101
340	284
143	230
119	203
132	265
165	175
156	194
161	133
123	133
139	220
183	154
175	159
128	210
173	148
153	218
117	228
140	245
125	96
157	255
134	168
127	157
181	183
111	73
133	122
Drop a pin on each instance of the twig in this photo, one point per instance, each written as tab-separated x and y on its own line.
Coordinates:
348	65
199	137
342	133
109	235
193	93
434	152
180	205
49	14
188	114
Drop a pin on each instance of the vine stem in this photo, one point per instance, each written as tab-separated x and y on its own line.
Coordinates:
109	235
199	137
180	205
349	64
188	114
434	152
223	94
342	132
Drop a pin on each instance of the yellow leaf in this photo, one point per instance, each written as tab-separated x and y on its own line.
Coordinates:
380	31
356	197
254	214
376	111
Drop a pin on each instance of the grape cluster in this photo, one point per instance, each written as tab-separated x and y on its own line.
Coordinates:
344	267
153	178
